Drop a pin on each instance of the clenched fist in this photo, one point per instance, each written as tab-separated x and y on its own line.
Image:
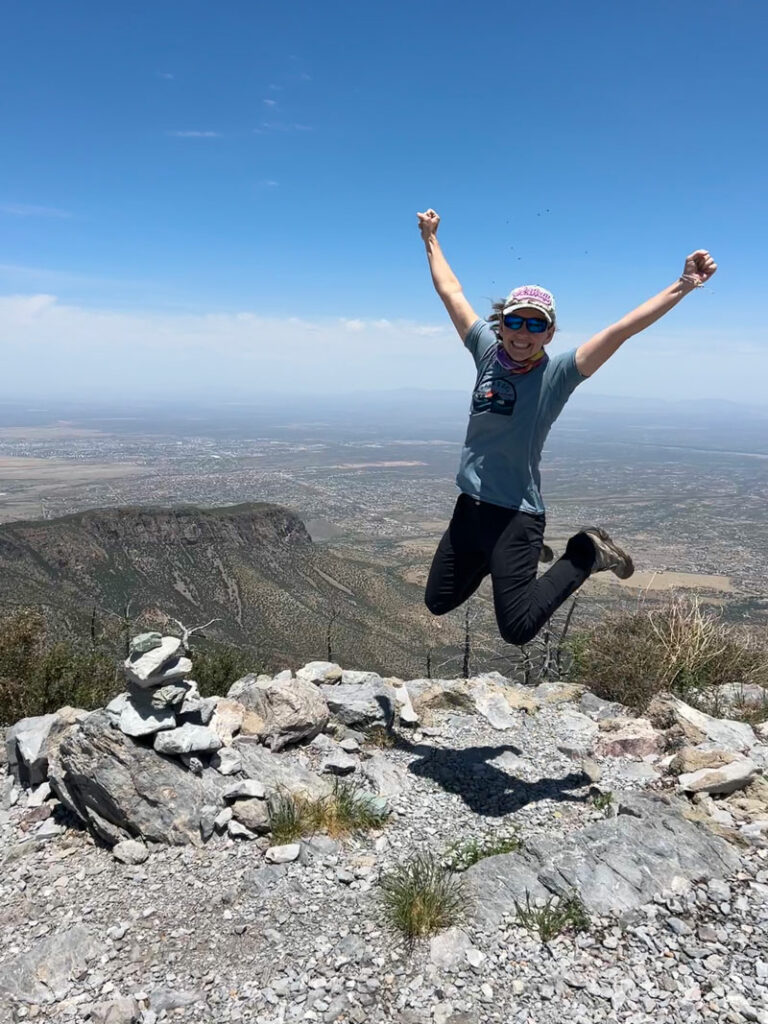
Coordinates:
699	267
428	223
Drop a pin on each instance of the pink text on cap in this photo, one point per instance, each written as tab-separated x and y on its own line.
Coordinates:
537	294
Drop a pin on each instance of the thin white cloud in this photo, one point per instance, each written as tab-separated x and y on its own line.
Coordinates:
195	135
282	126
165	74
270	103
47	346
29	210
267	183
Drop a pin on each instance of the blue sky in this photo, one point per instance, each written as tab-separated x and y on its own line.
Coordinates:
226	192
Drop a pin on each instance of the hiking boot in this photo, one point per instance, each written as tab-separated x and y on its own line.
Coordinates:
546	554
609	555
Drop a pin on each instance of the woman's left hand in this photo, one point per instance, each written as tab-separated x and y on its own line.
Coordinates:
700	266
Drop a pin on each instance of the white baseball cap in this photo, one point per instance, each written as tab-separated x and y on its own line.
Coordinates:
533	296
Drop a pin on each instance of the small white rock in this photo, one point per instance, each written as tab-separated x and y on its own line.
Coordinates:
475	957
38	796
238	831
222	819
283	854
246	789
130	851
227	761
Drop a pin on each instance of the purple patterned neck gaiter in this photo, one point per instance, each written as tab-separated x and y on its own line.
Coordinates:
503	358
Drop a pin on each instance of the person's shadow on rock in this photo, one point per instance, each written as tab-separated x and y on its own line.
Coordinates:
486	788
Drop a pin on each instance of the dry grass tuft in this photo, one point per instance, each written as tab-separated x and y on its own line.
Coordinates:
348	809
682	647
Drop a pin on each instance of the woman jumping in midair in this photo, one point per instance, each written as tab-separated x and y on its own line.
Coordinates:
497	526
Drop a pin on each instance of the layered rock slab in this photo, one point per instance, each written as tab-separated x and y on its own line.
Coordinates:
122	789
613	866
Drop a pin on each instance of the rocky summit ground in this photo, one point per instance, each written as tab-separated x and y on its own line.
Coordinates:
656	825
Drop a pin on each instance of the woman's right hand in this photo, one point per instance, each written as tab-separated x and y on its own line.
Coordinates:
428	223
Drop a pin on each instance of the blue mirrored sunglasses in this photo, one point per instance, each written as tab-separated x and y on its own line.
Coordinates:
535	324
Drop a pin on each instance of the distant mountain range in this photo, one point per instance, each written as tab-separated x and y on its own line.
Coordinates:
252	567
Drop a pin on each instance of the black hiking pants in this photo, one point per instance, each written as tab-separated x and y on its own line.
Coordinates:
482	539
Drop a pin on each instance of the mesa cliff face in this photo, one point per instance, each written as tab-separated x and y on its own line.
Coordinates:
253	567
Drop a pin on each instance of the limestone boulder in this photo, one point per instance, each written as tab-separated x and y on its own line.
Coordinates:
628	737
614	866
279	775
187	739
163	663
362	705
666	711
31	742
558	692
597	708
490	685
429	695
734	775
292	710
355	677
696	759
252	813
499	703
575	733
406	711
318	672
121	788
44	975
227	719
387	778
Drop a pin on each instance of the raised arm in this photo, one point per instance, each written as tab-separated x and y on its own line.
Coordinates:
445	281
699	268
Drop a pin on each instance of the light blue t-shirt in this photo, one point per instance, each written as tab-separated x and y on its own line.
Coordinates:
509	419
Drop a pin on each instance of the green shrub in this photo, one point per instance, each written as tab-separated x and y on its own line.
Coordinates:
465	852
555	917
602	801
421	897
349	808
39	675
681	646
217	667
287	820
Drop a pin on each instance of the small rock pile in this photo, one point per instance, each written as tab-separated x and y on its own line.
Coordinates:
112	768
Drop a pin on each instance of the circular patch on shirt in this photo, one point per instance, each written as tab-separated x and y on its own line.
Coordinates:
496	395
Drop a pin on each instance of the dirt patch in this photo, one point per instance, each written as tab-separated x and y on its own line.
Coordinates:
662	581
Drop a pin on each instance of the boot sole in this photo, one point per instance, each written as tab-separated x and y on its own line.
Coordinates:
629	567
